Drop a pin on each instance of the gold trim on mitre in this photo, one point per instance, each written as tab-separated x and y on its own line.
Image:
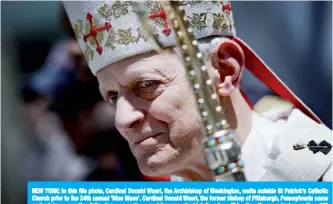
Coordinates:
109	31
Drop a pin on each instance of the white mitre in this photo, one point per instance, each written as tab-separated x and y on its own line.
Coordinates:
109	31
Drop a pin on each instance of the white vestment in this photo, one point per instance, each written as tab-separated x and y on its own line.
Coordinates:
268	151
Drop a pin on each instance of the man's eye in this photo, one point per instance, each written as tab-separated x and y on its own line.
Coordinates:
113	99
146	84
147	89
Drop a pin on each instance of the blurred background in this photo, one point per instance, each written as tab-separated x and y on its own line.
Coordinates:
55	125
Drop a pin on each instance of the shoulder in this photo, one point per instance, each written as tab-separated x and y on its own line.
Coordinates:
299	128
289	125
286	163
279	124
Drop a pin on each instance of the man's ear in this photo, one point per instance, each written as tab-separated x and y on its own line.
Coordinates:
228	60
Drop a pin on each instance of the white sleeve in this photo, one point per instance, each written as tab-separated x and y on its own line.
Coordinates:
258	144
298	124
285	163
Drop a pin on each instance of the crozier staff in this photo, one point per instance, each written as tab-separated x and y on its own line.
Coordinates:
155	107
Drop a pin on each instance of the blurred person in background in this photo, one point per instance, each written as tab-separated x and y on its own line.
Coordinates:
61	104
51	155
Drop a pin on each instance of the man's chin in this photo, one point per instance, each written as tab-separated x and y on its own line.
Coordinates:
158	164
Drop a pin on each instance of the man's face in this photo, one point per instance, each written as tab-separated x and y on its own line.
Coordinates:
155	110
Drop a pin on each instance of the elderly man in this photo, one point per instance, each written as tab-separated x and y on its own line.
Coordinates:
155	107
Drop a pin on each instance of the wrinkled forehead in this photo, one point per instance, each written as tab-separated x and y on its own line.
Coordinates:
140	67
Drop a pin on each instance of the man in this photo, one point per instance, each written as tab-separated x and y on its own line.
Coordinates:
155	107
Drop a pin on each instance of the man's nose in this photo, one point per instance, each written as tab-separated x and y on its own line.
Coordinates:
127	115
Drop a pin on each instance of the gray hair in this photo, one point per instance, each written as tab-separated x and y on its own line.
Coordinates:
206	46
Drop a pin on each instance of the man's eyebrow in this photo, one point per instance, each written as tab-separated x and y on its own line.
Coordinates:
161	73
138	76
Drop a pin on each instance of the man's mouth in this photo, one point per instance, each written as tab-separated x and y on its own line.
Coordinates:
145	138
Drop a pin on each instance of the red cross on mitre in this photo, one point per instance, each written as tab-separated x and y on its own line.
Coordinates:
162	15
93	32
227	9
